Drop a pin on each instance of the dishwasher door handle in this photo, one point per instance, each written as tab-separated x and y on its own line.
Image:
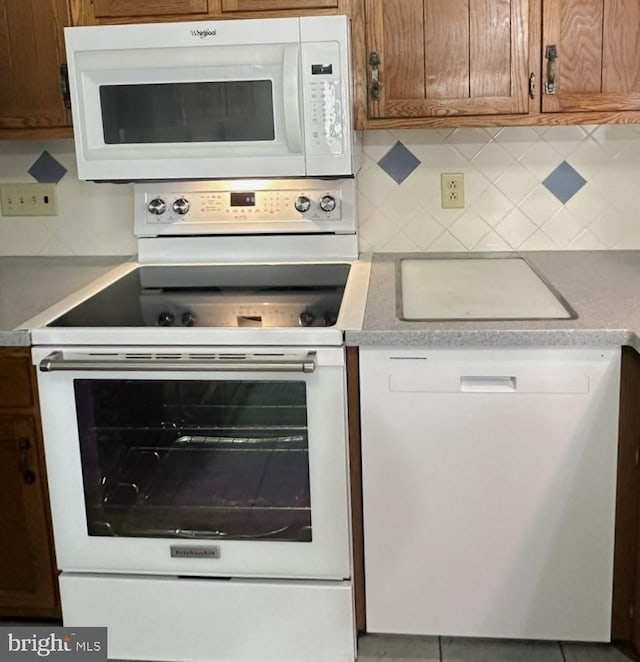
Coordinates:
488	383
240	363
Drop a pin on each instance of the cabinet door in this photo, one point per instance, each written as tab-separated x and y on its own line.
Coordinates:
625	620
124	11
447	58
596	47
27	571
262	5
31	53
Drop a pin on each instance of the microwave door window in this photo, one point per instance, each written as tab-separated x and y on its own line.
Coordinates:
206	112
195	459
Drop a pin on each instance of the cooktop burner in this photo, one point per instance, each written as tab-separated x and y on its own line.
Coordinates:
259	295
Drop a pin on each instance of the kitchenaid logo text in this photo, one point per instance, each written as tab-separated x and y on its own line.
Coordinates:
25	644
204	33
180	552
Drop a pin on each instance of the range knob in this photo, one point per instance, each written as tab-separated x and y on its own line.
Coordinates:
189	319
302	204
327	203
166	318
181	206
157	206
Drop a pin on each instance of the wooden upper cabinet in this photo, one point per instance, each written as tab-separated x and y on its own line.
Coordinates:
434	58
31	53
96	12
262	5
597	50
126	8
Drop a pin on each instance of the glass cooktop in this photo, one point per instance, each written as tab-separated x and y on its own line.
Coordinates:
280	295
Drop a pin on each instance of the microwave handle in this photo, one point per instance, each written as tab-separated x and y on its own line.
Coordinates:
291	100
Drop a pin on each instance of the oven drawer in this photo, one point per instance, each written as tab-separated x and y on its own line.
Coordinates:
166	618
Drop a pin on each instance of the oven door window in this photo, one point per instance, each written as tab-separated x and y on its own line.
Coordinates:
195	459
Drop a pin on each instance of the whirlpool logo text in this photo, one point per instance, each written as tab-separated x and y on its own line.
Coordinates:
25	644
204	33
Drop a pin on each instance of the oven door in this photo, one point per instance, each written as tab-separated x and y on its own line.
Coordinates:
197	462
195	100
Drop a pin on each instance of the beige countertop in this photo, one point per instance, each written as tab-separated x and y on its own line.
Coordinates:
602	287
29	285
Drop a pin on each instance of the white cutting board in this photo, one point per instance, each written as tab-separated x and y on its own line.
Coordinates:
475	288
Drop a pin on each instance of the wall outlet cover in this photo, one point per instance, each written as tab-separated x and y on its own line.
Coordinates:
452	190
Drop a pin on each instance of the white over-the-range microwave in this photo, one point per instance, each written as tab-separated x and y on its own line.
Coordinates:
212	99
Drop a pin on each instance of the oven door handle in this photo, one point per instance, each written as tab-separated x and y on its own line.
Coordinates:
56	361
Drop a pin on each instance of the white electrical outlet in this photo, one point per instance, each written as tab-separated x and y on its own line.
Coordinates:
452	190
28	200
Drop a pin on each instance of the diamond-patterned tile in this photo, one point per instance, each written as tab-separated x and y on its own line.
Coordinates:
540	160
517	139
492	242
563	227
540	205
493	205
469	141
515	228
539	241
47	170
423	230
516	182
565	139
469	229
492	160
586	241
399	162
564	182
611	226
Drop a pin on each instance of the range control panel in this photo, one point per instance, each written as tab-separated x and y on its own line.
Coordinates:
248	206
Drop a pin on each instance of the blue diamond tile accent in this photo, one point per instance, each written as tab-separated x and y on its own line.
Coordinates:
46	170
399	162
564	182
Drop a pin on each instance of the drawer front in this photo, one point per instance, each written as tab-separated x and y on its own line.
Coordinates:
15	379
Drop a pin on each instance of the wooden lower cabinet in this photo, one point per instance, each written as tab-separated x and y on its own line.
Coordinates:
28	575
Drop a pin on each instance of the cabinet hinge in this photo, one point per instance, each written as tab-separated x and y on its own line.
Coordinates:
375	85
64	86
532	86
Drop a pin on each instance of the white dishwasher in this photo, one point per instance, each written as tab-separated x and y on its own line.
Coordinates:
489	480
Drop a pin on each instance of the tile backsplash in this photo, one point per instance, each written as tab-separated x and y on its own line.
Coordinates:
525	188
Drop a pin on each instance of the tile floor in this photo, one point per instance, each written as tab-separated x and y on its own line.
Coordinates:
393	648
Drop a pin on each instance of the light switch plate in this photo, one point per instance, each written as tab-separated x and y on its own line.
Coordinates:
28	199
